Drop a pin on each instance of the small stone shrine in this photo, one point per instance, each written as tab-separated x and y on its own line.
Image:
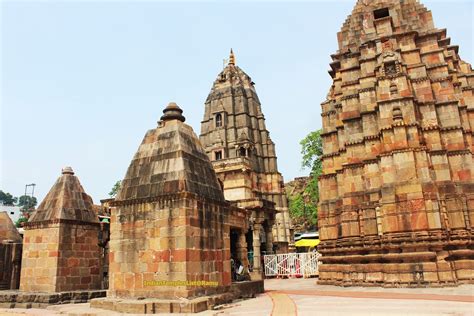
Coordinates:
170	227
10	253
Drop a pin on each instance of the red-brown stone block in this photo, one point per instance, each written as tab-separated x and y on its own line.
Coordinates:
397	207
61	251
170	222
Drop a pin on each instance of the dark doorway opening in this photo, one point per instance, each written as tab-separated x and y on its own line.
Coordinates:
234	262
381	13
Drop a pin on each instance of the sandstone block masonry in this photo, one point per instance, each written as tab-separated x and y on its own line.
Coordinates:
61	251
10	253
170	222
234	136
397	191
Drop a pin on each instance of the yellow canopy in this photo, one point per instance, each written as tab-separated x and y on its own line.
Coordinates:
307	243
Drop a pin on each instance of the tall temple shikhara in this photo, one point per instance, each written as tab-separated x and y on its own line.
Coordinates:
397	190
234	135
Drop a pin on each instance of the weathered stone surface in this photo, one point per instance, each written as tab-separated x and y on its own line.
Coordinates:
183	305
10	253
60	251
8	231
19	299
234	136
397	193
65	201
170	222
170	160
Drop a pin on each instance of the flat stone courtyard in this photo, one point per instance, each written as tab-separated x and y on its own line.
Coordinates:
303	297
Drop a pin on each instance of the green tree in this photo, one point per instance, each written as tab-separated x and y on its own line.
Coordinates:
27	203
7	198
296	206
115	189
20	221
303	210
312	151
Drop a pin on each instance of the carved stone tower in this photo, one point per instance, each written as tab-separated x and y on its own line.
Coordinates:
397	193
234	136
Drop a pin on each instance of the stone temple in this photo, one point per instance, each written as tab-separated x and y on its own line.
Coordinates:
170	228
11	245
234	136
397	190
60	250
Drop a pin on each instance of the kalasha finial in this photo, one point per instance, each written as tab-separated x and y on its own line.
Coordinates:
231	58
173	112
67	170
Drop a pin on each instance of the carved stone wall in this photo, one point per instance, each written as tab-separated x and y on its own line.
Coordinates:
234	135
397	190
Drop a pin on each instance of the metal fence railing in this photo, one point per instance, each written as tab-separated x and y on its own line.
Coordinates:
292	264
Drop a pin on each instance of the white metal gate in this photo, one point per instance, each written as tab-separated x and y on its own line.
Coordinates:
292	264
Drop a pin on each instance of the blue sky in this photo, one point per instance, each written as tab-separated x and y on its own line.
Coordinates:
81	82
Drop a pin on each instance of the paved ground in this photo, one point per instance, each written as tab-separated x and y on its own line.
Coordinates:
303	297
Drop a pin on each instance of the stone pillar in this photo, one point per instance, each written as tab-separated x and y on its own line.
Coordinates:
242	254
257	267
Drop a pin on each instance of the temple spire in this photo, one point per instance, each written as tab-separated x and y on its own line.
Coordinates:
231	57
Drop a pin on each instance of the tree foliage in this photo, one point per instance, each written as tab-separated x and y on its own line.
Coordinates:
27	203
115	189
305	205
7	198
302	210
312	150
20	221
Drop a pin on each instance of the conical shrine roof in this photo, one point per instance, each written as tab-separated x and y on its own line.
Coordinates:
170	160
8	230
66	200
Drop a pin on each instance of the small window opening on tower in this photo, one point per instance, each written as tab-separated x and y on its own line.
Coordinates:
381	13
218	155
242	152
390	68
218	120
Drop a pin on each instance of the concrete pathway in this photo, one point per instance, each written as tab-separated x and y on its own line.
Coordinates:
303	297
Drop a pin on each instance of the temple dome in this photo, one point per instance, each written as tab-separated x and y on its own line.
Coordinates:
170	160
66	200
8	231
